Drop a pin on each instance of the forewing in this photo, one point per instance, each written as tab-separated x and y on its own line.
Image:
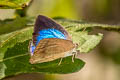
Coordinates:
43	22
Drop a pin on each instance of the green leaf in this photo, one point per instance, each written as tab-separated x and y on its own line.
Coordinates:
9	40
13	4
11	25
90	41
85	42
79	24
14	54
16	60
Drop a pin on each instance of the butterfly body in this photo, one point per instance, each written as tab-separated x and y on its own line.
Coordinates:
50	41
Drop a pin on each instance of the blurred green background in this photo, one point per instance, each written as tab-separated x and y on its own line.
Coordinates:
103	63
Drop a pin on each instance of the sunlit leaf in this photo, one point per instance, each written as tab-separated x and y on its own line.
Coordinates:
16	60
13	4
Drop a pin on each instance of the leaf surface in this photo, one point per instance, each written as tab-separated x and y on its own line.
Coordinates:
14	55
13	4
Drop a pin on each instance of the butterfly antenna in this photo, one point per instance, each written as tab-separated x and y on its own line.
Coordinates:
60	61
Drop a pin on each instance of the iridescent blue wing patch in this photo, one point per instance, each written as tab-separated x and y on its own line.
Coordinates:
50	33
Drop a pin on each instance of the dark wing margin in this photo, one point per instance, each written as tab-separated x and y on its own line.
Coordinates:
43	22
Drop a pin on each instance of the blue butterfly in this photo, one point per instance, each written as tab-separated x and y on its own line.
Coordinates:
50	41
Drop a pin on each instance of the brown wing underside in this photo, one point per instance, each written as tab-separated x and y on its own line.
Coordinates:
51	48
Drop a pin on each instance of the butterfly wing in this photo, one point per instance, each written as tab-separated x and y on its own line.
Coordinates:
42	23
50	49
50	41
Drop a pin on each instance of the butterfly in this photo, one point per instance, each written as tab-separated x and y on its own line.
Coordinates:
50	41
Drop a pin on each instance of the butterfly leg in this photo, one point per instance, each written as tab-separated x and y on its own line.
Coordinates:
60	61
73	58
